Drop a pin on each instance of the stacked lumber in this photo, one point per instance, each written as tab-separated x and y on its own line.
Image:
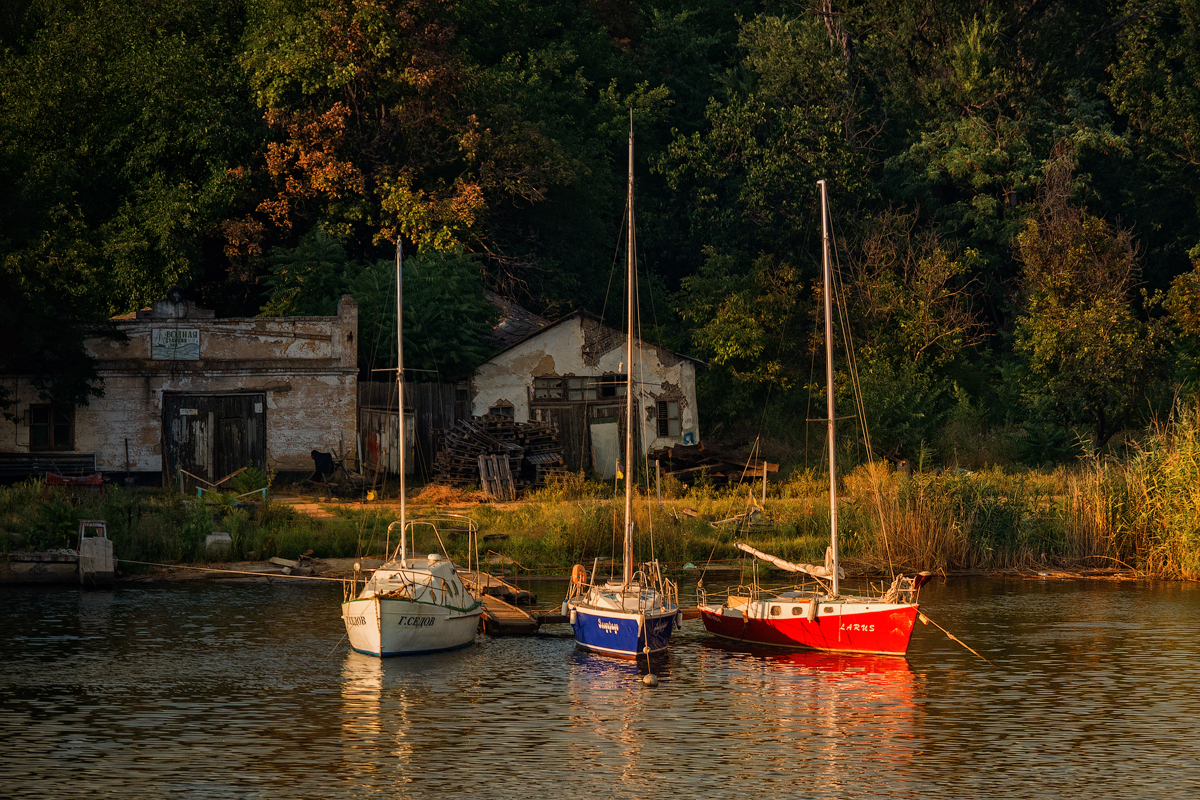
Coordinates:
502	455
722	465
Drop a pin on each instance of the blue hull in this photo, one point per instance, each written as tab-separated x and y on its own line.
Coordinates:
618	634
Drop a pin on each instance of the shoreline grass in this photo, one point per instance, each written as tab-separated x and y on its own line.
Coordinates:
1140	511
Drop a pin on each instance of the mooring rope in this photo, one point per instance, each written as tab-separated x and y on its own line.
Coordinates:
925	619
238	572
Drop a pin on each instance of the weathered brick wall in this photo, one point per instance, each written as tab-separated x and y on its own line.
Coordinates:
581	347
305	367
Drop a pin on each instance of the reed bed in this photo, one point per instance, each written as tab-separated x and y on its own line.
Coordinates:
1139	511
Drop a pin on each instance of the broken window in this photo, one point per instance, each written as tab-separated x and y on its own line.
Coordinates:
668	418
611	385
503	409
547	389
51	427
578	389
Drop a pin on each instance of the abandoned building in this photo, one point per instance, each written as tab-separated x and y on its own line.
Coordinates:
190	398
572	373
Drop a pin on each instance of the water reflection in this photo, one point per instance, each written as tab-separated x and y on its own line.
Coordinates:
236	691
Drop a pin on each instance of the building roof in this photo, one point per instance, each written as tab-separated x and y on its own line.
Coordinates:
531	326
516	323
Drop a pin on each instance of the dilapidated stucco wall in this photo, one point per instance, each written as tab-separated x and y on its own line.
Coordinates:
305	369
582	346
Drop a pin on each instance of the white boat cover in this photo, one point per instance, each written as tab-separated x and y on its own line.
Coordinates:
808	569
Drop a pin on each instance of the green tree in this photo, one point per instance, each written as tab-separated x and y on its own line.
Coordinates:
447	316
1183	302
1090	359
121	131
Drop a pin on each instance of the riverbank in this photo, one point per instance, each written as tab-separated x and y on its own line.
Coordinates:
61	567
1100	517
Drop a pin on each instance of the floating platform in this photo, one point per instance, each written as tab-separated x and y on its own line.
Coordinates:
501	616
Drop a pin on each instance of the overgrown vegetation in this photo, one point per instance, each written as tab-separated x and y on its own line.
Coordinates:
1014	189
1140	511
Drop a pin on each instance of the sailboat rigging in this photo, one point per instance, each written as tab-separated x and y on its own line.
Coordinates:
411	605
636	614
820	618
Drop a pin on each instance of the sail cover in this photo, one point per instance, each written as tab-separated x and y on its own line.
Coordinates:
808	569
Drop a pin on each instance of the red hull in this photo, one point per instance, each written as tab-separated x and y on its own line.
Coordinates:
885	631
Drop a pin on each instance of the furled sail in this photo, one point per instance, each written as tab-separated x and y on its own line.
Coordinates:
808	569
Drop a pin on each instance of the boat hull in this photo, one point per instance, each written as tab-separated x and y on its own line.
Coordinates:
384	626
839	627
623	635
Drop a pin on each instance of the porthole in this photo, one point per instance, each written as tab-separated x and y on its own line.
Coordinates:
828	609
776	611
795	611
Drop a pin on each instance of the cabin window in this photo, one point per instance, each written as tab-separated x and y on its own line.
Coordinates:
668	418
776	611
51	427
795	611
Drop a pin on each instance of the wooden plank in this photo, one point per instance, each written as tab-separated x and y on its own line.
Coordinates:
502	619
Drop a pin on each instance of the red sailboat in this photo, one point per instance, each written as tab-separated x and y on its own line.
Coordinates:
821	618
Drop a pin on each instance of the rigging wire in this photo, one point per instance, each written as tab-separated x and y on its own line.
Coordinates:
839	297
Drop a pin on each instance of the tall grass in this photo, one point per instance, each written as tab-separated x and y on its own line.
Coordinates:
1139	510
1144	510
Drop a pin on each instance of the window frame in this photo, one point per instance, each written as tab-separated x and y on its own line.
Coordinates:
665	421
58	424
587	389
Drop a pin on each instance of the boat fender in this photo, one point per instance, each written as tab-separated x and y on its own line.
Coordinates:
679	619
812	609
572	616
564	608
578	575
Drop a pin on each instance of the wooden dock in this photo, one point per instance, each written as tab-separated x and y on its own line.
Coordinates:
501	616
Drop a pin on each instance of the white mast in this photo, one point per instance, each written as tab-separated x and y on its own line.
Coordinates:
400	395
833	508
627	571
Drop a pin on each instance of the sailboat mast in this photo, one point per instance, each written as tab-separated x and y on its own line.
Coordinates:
627	570
833	505
400	396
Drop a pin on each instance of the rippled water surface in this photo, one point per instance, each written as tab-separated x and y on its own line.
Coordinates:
247	690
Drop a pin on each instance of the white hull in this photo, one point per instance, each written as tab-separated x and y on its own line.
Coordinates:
412	607
384	626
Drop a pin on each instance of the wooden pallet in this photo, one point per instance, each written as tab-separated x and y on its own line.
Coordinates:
496	478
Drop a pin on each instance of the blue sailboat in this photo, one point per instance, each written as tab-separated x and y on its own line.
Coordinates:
634	615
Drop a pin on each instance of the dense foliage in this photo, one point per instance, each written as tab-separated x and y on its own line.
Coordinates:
1015	188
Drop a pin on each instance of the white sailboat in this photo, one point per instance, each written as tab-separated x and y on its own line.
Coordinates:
821	618
411	605
636	614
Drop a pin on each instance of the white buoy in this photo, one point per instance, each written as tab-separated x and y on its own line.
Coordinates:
649	679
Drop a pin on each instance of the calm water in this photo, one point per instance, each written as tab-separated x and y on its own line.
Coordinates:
243	690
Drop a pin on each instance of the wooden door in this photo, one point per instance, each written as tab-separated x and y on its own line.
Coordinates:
208	437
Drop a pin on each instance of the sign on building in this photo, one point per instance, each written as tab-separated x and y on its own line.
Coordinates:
175	344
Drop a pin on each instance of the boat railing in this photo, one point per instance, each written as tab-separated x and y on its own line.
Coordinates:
455	524
650	576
